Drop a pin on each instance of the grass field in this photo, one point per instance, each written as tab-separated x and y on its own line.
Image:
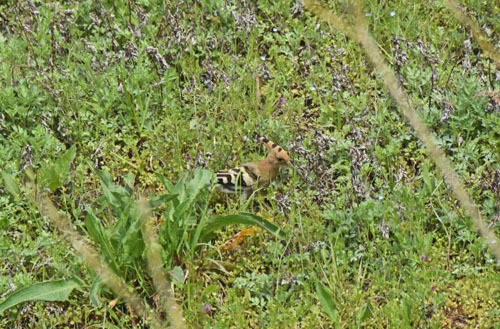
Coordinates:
104	103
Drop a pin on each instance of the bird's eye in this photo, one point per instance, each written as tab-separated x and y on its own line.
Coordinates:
280	159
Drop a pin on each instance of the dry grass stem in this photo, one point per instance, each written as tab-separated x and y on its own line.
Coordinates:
361	35
91	257
482	40
155	265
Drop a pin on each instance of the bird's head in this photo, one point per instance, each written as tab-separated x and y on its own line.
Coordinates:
280	159
277	155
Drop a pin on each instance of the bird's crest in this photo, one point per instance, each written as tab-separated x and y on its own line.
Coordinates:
275	151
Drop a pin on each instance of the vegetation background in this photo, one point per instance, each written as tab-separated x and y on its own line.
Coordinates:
106	101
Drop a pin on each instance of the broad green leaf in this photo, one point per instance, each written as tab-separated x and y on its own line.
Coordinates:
94	227
108	187
53	175
63	163
159	200
120	228
98	233
46	291
162	179
202	178
50	178
327	303
10	185
177	274
181	208
180	189
95	290
132	241
165	181
129	183
216	222
365	313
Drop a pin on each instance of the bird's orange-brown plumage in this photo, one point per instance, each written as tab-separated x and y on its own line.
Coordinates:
251	175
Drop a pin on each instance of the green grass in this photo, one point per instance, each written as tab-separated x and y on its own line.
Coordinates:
360	208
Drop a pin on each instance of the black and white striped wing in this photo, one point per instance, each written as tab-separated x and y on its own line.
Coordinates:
236	180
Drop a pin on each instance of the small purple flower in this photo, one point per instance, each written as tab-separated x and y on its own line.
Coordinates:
206	308
187	157
433	288
368	14
381	197
282	101
262	58
275	29
424	257
312	88
393	13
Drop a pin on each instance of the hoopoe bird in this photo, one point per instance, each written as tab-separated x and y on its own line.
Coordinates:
251	175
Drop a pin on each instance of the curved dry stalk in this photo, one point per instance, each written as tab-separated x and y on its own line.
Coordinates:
155	266
91	257
482	40
360	34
